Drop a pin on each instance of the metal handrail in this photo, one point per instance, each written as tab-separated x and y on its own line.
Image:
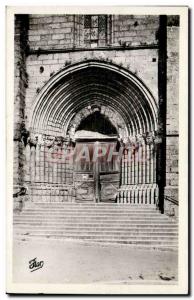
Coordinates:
171	199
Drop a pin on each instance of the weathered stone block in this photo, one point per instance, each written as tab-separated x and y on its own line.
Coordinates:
34	38
57	36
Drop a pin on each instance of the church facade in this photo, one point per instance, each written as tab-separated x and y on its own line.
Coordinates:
96	110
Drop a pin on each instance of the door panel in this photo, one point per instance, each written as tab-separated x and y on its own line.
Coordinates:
109	185
84	187
96	178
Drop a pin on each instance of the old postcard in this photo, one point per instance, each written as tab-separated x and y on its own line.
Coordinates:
97	150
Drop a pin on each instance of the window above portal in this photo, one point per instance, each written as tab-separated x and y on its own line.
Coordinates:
95	30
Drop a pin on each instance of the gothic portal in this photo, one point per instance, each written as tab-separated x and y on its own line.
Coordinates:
93	121
86	110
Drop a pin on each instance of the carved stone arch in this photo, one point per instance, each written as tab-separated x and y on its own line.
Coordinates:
114	118
87	83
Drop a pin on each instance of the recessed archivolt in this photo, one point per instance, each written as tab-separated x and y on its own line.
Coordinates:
114	118
93	83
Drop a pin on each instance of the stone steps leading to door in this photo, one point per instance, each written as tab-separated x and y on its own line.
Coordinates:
102	223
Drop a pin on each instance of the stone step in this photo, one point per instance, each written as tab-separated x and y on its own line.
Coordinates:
81	227
105	208
96	227
94	232
95	220
92	216
98	223
91	211
95	217
99	227
143	239
93	205
87	203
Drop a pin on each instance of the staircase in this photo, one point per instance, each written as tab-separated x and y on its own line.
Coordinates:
140	225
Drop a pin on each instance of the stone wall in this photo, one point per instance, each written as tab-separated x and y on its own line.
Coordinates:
51	32
135	30
20	86
67	31
172	123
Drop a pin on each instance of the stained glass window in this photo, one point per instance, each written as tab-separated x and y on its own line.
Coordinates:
87	21
95	30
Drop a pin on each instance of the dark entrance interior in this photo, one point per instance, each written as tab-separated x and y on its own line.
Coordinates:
97	122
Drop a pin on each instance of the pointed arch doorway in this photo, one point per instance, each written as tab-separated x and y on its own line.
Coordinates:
94	93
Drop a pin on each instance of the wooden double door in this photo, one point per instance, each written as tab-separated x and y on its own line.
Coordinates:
96	170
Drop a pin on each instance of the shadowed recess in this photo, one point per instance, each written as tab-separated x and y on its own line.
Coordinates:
98	123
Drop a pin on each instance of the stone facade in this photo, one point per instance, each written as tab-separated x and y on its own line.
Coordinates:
20	87
172	124
45	45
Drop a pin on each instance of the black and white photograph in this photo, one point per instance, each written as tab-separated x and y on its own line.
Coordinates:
97	139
